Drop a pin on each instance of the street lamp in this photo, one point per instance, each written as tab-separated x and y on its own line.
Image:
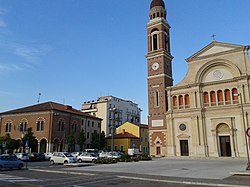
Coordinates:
245	128
112	129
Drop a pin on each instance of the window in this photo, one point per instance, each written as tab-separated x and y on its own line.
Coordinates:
187	104
156	99
235	96
175	102
213	98
87	134
88	123
74	127
23	126
92	123
220	97
121	148
227	96
8	127
155	42
61	125
180	101
206	100
40	125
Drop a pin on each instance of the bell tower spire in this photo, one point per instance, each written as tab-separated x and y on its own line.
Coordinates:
159	68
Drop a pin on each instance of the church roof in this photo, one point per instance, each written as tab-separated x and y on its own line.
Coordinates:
155	3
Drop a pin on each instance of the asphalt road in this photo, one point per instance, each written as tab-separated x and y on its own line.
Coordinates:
43	174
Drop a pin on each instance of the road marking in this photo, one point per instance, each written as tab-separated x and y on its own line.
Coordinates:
13	179
63	172
182	182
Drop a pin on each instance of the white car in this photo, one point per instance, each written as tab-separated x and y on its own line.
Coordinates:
22	156
105	155
86	157
62	158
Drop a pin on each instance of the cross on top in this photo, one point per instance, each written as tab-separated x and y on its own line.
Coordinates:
213	36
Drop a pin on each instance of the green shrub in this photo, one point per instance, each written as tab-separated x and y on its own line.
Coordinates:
105	161
125	158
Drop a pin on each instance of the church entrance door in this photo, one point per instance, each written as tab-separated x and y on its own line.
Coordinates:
225	146
184	147
158	150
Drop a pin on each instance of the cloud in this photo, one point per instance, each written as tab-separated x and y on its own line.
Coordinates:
9	67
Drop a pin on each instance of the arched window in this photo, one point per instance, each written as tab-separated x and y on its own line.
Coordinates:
8	127
23	126
61	125
235	96
187	104
220	97
155	42
175	102
74	127
227	97
213	98
154	39
40	125
205	99
180	101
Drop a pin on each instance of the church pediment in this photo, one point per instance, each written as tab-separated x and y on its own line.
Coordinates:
215	49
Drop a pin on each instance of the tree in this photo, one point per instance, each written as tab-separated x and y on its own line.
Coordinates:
102	140
81	139
29	139
95	140
10	144
71	142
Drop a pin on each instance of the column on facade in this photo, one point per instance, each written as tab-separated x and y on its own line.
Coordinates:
38	146
232	140
215	142
171	137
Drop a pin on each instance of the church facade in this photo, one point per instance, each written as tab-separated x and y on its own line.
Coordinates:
207	113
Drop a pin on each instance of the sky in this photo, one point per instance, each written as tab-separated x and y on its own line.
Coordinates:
72	51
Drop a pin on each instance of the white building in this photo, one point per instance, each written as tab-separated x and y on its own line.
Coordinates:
114	111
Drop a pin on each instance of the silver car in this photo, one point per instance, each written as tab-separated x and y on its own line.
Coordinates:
10	162
62	158
86	157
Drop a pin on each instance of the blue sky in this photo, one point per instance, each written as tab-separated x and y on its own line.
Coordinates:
73	51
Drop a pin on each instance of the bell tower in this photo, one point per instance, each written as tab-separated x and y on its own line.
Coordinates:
159	60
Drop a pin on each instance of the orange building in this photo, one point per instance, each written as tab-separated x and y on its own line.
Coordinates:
51	124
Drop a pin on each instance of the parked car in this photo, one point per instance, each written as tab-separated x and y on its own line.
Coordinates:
86	157
10	162
47	155
22	156
105	155
62	158
76	154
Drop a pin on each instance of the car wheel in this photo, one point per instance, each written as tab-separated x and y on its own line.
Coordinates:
79	160
65	162
52	162
20	166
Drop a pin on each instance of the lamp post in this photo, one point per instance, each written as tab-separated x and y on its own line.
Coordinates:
112	129
245	128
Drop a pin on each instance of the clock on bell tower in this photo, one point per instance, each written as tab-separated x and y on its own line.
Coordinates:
159	64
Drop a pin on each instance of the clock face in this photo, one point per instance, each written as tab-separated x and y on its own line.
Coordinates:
155	66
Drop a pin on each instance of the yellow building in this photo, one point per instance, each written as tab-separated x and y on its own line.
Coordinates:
130	135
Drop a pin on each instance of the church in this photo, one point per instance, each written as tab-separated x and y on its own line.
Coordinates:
207	113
